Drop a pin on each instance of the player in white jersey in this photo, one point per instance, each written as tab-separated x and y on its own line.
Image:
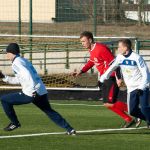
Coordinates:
136	76
33	90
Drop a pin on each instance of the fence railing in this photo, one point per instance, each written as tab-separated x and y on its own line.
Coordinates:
55	61
68	55
46	55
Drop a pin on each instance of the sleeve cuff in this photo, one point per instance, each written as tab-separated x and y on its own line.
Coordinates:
5	79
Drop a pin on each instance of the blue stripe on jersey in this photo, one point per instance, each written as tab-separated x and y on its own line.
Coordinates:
141	62
128	62
16	69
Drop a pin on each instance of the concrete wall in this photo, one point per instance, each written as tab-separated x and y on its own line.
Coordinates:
56	62
43	10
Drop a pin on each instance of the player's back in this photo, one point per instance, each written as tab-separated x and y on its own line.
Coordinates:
28	77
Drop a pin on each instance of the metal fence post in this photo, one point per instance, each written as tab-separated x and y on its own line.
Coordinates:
95	17
137	46
45	70
67	57
112	48
30	28
19	19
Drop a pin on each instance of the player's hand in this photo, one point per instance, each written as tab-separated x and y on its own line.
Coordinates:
99	84
139	92
76	73
2	75
102	78
119	82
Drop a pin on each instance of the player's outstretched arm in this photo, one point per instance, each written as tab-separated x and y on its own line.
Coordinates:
107	74
8	79
77	73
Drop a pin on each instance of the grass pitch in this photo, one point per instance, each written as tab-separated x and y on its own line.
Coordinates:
83	117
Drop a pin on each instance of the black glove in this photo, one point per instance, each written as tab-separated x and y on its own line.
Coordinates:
36	96
139	92
2	75
100	84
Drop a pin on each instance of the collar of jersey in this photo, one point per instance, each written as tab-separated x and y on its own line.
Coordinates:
15	58
93	47
130	52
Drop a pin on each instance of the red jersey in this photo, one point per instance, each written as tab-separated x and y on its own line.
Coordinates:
101	56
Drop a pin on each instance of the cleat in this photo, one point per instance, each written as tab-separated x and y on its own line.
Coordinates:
12	126
128	124
138	121
72	132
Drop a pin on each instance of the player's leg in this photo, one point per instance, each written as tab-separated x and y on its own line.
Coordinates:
8	101
42	103
120	104
128	119
122	100
100	86
145	106
123	105
110	95
133	105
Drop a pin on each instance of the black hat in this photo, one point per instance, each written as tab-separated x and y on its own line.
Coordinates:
13	48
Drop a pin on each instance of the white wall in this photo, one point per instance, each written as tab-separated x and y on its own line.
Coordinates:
134	15
43	10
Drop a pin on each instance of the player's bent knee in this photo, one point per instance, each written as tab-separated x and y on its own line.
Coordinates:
108	105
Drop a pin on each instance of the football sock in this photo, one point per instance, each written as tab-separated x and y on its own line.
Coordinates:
119	111
121	105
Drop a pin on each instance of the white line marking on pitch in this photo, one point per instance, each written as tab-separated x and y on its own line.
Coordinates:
61	133
77	105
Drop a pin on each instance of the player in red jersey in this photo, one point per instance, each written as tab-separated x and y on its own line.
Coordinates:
101	57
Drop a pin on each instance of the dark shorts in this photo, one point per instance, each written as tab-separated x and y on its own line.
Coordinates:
110	90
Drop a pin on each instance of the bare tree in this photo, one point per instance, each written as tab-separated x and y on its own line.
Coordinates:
140	10
106	9
86	6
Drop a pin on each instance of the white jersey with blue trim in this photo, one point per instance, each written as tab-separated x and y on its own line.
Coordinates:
134	69
26	75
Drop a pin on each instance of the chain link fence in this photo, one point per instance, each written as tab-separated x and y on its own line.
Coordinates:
70	17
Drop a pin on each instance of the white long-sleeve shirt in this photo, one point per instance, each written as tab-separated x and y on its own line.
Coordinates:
134	69
26	75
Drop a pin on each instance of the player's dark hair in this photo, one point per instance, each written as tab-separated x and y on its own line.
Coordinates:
126	42
87	34
13	48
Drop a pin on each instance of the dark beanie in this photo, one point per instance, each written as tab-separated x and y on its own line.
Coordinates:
13	48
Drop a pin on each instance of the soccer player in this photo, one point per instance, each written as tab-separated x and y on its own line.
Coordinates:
33	90
101	57
136	76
